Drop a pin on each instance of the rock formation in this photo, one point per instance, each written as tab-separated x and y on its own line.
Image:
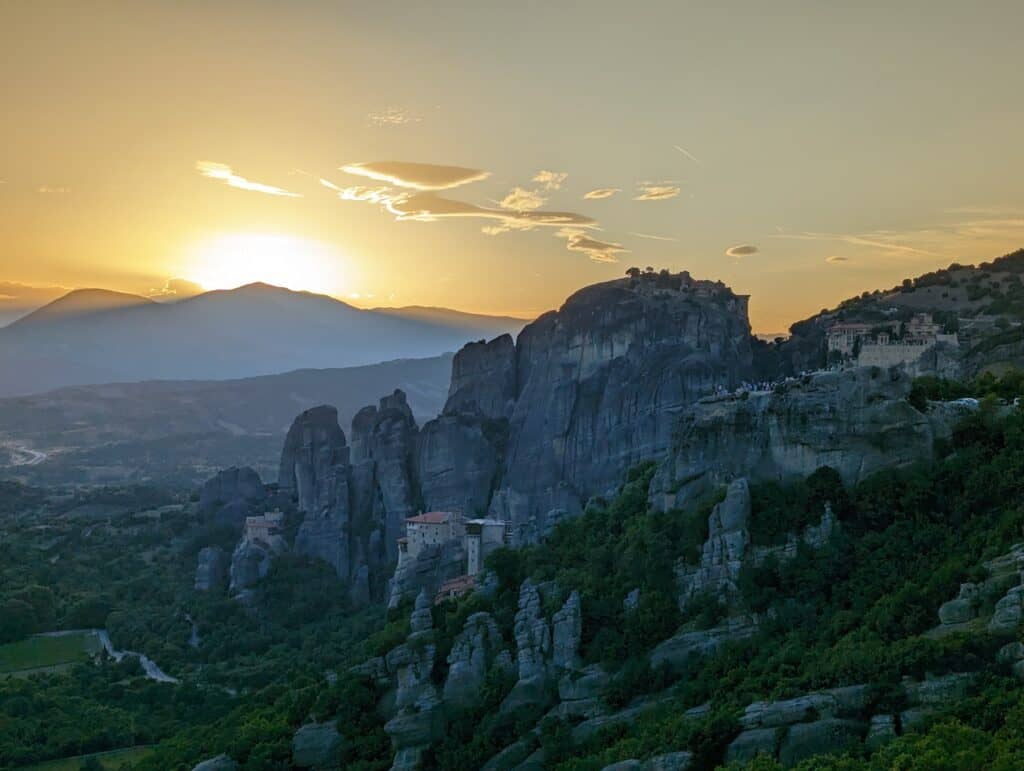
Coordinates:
475	650
352	500
856	421
231	495
419	714
317	746
211	569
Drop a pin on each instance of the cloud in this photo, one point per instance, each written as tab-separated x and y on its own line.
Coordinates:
653	237
836	259
430	207
656	192
47	190
602	192
551	180
393	116
741	250
523	200
881	241
223	173
599	251
177	289
687	153
417	176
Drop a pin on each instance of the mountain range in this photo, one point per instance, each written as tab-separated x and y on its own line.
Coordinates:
92	336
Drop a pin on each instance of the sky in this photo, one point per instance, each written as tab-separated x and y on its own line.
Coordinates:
494	157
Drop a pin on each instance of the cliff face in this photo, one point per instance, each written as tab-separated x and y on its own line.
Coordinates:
857	422
530	430
598	385
353	499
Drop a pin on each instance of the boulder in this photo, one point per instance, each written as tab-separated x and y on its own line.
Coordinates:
1009	612
829	736
317	746
751	743
881	730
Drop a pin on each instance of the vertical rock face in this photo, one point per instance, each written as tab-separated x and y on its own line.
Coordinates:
473	652
856	421
315	471
232	494
484	379
353	500
566	633
723	553
599	381
211	569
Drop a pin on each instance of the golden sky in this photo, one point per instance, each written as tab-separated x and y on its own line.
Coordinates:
494	156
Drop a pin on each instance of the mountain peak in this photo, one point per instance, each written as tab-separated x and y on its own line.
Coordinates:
80	302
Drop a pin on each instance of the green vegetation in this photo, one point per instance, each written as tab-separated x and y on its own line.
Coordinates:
38	652
105	761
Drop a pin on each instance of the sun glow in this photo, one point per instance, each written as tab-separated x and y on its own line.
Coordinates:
232	260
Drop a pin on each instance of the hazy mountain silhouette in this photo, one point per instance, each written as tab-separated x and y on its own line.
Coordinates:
95	336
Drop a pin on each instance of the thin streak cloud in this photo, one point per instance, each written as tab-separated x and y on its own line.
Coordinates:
223	173
416	176
602	192
654	237
658	192
687	153
741	250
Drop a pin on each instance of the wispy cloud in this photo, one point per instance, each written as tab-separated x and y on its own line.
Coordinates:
430	207
599	251
521	199
393	116
416	176
835	259
741	250
878	241
602	192
687	153
661	191
223	173
654	237
48	190
551	180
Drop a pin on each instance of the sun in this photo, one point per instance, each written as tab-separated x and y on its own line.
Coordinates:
232	260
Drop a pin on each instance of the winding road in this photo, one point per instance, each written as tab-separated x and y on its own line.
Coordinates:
153	672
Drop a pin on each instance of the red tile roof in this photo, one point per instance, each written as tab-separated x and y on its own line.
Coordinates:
456	587
431	518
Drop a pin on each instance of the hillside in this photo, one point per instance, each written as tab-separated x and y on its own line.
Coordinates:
685	570
91	337
181	432
983	304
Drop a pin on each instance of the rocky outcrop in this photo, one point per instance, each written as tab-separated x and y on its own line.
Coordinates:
566	633
211	569
723	553
672	761
474	651
231	495
435	564
1002	590
317	746
251	561
856	421
418	719
599	382
484	379
353	499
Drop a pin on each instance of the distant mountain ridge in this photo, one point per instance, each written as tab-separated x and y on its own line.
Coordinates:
96	336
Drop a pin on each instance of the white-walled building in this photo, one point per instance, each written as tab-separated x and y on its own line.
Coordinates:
482	537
